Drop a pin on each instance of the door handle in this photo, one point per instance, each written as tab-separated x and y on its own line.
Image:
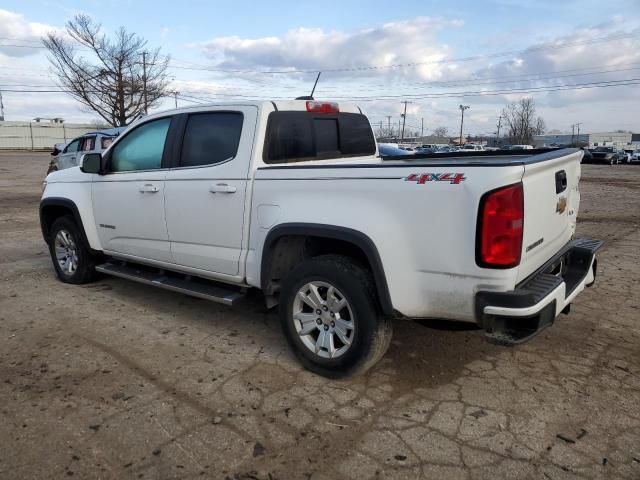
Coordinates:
149	188
222	188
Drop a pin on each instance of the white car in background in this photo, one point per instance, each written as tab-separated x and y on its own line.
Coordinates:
521	147
470	147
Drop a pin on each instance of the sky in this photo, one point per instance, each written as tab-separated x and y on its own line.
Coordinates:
578	59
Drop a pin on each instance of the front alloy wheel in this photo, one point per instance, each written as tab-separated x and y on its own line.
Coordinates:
72	259
66	252
323	319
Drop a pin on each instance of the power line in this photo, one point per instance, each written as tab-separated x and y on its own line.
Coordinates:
625	82
416	64
293	70
442	84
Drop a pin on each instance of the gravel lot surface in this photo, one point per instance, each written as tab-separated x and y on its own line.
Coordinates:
120	380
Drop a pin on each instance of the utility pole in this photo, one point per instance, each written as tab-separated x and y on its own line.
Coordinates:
578	136
175	97
1	108
422	129
498	134
573	135
404	117
388	124
398	129
144	81
462	109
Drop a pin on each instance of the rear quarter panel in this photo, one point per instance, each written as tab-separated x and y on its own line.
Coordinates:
425	232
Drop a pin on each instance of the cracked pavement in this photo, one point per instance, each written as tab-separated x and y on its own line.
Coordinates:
121	380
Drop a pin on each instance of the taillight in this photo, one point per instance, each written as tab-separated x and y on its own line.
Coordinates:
501	219
322	107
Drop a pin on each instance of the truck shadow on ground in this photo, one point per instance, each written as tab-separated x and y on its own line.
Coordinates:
422	353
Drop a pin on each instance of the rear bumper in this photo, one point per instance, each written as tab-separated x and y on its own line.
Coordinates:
514	317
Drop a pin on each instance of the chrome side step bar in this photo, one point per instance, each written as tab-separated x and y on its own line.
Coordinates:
157	278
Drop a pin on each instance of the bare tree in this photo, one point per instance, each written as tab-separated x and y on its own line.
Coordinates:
119	80
522	122
441	132
541	127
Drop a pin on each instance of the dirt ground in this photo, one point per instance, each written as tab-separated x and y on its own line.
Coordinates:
120	380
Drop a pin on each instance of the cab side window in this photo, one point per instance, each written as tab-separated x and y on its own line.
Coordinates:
211	138
142	148
72	147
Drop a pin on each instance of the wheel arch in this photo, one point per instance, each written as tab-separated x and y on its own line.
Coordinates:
358	241
52	208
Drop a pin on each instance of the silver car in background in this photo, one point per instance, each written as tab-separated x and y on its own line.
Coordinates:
92	142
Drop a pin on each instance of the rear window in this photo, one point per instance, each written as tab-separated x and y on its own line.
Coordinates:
301	136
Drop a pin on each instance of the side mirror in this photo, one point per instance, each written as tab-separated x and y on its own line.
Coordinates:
91	163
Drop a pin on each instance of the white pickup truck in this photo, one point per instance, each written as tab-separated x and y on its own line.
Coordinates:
292	198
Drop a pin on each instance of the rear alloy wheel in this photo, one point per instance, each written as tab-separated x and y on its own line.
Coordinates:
323	319
330	315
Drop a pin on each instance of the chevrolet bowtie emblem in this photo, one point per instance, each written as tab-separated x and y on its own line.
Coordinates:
561	205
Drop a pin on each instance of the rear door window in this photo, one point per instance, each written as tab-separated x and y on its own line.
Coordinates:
88	143
211	138
301	136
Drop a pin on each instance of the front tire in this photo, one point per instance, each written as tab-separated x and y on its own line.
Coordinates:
330	316
71	257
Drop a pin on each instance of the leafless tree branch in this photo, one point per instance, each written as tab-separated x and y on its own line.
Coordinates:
110	80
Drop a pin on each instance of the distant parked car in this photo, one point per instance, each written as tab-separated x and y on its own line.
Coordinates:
587	157
624	156
447	149
521	147
635	158
388	149
426	149
606	155
470	147
93	142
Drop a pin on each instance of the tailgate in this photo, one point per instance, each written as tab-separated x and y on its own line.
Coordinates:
551	201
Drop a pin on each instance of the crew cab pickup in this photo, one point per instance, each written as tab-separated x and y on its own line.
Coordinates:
292	198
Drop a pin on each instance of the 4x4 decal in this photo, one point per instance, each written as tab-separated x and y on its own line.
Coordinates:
422	178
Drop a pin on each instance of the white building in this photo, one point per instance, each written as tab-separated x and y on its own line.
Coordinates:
607	139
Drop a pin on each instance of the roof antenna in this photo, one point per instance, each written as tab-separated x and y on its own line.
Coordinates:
310	97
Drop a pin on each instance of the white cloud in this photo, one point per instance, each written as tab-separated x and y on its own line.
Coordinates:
16	30
314	48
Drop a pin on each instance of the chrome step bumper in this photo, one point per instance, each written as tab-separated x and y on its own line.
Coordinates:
514	317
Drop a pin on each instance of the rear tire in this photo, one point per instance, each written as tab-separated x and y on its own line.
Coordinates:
72	259
330	316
